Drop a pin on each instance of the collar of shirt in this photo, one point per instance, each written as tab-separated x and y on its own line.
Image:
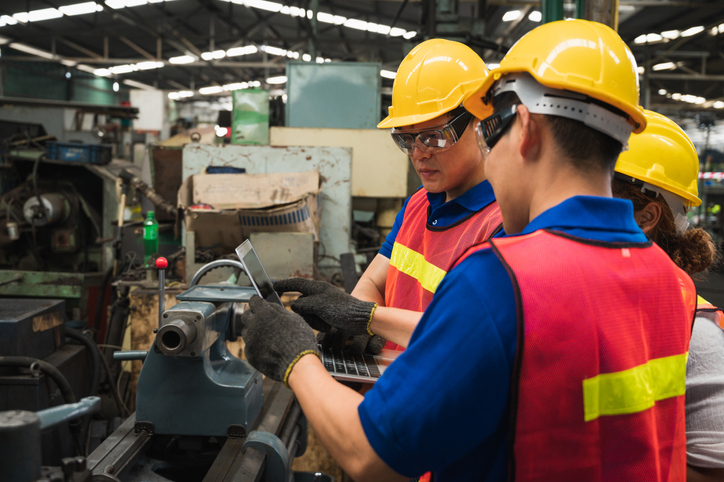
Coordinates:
446	213
591	217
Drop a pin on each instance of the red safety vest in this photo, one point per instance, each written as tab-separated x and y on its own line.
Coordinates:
422	253
599	378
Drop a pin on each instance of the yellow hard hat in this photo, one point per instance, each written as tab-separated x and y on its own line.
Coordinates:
663	156
433	79
574	55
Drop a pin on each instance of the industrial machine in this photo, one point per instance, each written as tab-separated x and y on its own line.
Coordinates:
201	413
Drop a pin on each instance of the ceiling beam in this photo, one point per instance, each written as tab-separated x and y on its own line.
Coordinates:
136	48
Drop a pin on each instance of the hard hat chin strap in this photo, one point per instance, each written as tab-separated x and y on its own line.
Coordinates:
677	205
540	99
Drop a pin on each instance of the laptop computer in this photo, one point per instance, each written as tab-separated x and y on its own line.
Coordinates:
341	365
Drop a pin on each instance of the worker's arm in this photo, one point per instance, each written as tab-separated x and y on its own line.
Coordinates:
393	324
700	474
331	409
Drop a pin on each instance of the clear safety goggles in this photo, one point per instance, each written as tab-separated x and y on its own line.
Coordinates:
432	140
489	130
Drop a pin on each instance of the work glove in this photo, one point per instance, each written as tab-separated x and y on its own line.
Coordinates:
275	338
337	340
323	306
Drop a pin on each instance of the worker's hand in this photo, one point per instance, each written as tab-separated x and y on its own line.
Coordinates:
275	338
337	340
321	303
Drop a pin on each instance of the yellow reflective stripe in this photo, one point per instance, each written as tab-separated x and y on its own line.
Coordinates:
414	264
701	301
636	389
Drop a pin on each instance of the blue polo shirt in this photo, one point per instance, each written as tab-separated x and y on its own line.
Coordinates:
443	213
442	406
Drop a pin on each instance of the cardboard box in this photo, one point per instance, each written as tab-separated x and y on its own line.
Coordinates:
249	203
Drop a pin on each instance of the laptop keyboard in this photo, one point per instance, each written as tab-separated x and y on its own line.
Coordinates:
345	363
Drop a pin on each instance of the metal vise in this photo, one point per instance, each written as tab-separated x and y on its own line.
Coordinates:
190	383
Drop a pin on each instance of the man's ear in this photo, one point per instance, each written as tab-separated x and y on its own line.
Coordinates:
648	217
529	132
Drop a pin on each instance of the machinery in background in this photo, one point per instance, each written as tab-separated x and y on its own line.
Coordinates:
44	364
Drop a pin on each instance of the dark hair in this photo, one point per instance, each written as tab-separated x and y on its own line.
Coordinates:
591	150
693	251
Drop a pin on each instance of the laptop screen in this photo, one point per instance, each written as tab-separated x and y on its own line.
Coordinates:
254	269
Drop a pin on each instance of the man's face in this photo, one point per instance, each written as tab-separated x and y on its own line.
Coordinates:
506	172
454	170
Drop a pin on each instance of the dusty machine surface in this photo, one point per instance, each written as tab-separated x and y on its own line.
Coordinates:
202	414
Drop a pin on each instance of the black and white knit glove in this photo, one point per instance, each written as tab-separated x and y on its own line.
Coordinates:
275	338
323	306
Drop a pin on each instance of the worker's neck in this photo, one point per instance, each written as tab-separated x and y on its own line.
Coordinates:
559	181
470	182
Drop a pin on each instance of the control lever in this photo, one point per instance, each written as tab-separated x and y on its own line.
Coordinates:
161	265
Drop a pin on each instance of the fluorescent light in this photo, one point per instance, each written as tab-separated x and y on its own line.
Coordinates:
640	69
511	15
183	59
31	50
102	72
44	14
236	86
185	93
273	50
214	89
641	39
676	96
282	79
260	4
662	91
718	105
149	64
249	49
174	96
671	34
139	85
306	57
654	37
116	4
355	24
123	69
409	35
22	17
699	100
68	63
292	55
535	16
81	8
691	99
664	66
388	74
135	3
7	20
329	18
255	83
692	31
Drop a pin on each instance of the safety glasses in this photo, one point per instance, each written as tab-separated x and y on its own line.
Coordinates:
489	130
435	139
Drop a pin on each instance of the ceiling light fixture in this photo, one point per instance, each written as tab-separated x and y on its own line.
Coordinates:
182	59
282	79
511	15
535	16
692	31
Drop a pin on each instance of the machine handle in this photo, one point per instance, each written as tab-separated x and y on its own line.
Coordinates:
130	355
51	417
161	265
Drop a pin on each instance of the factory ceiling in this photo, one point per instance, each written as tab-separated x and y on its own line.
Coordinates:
217	45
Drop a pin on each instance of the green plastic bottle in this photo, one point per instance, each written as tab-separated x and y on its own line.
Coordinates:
150	235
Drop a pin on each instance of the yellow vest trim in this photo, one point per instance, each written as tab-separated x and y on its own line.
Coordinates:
701	301
636	389
414	264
